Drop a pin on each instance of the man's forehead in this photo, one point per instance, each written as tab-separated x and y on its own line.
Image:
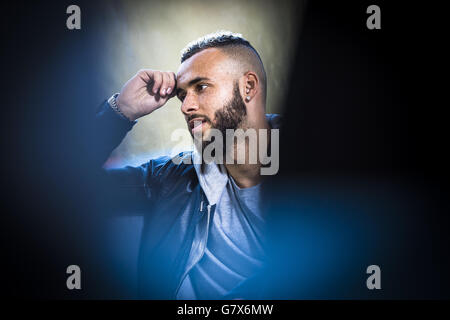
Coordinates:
208	63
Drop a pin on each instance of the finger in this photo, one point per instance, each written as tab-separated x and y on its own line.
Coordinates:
172	84
157	81
146	75
165	84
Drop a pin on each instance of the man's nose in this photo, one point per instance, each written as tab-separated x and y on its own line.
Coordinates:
189	105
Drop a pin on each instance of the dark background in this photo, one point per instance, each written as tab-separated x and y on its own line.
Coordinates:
363	156
363	161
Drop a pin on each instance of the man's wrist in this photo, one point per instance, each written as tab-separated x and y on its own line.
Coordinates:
112	101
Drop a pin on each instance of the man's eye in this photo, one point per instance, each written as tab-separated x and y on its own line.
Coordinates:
202	87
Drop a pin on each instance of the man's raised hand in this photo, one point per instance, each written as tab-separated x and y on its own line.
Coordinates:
147	91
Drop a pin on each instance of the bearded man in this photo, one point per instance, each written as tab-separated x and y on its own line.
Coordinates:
203	234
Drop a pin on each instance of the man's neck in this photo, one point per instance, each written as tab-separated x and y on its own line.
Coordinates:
245	175
248	175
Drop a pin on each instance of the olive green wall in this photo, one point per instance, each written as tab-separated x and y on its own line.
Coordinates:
151	34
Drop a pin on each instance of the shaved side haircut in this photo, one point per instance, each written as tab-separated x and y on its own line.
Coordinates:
236	47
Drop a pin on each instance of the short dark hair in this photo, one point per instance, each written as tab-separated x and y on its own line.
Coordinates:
232	43
214	40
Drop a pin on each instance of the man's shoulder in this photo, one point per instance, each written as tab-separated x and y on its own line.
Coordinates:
179	164
169	175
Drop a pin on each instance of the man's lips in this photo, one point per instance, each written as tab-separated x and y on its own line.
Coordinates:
196	123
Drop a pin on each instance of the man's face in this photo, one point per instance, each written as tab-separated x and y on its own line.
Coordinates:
209	92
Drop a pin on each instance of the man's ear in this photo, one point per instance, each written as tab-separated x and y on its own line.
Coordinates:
250	86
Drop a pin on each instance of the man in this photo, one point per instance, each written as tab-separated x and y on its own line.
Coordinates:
203	234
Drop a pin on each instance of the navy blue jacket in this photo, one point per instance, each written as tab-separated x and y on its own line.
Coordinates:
176	210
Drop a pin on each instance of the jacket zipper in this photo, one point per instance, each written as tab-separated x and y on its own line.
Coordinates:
203	251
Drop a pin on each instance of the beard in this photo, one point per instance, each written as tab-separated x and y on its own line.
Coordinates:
231	116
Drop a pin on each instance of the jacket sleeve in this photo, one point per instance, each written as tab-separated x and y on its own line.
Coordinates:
123	191
108	131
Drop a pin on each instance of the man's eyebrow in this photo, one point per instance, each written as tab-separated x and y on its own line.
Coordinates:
193	82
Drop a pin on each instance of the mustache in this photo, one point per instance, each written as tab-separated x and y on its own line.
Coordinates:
198	115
